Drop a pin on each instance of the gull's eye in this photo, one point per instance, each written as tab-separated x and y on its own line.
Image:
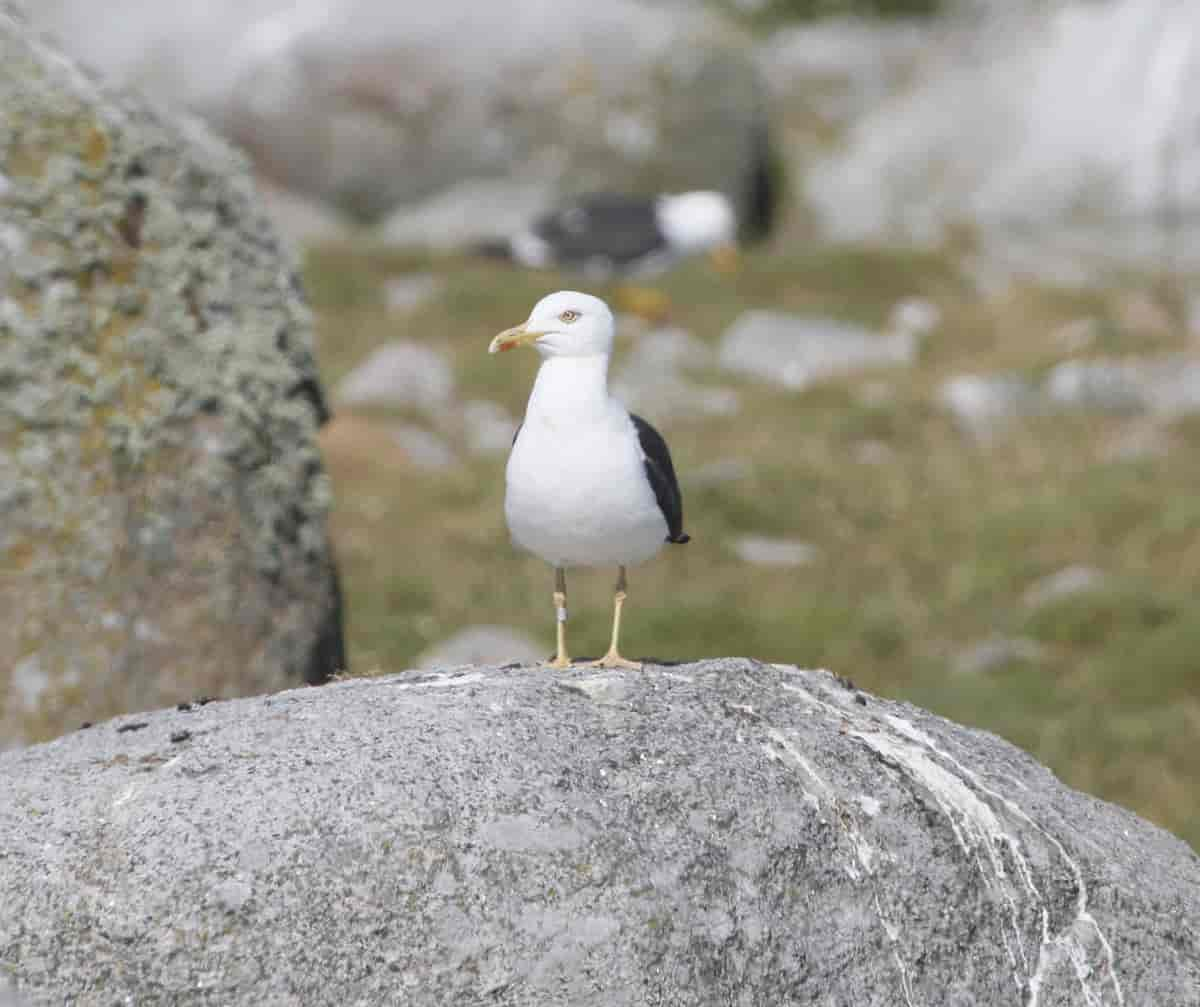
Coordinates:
568	316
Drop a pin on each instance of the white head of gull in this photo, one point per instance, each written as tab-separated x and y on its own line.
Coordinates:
587	483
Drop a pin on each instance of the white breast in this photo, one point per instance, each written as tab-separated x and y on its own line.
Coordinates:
579	496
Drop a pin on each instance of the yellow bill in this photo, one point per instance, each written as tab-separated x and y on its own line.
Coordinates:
510	339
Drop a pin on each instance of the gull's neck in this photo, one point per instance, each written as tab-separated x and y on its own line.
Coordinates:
570	389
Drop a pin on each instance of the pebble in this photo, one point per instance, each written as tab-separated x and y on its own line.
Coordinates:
424	449
762	550
993	654
1066	583
488	427
403	294
982	403
402	373
794	351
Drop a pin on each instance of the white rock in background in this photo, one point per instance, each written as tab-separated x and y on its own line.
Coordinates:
303	220
762	550
795	351
917	315
400	374
670	348
993	654
1038	114
651	380
983	403
1166	386
465	213
484	645
1066	583
488	427
424	449
843	66
373	104
402	294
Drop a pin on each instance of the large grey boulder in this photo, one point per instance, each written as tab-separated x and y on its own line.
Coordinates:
725	832
378	105
162	500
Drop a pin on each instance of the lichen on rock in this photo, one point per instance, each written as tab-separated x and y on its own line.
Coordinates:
162	498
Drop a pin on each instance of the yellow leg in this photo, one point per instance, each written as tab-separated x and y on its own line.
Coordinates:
561	660
613	658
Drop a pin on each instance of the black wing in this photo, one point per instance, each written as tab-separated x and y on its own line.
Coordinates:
661	474
620	228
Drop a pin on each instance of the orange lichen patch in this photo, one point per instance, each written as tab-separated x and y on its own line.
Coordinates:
95	148
123	269
355	445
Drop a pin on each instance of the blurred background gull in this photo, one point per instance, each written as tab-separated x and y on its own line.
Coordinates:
938	432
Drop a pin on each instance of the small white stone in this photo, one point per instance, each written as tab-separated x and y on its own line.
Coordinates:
28	681
989	655
916	315
795	351
424	449
763	551
983	403
488	427
402	294
1066	583
402	373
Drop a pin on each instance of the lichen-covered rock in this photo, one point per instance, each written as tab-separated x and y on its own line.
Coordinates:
719	833
162	499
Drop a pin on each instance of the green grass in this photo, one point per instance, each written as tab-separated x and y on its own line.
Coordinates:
922	552
771	13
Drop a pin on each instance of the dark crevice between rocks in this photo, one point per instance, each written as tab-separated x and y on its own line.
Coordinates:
328	656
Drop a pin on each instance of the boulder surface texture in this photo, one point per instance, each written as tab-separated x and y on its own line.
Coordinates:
162	499
724	832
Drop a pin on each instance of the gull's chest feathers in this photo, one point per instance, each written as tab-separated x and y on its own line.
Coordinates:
577	465
578	495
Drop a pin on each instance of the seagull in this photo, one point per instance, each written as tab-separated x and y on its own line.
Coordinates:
588	483
617	234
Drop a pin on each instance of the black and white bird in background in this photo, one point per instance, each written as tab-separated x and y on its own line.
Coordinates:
607	235
588	483
625	236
